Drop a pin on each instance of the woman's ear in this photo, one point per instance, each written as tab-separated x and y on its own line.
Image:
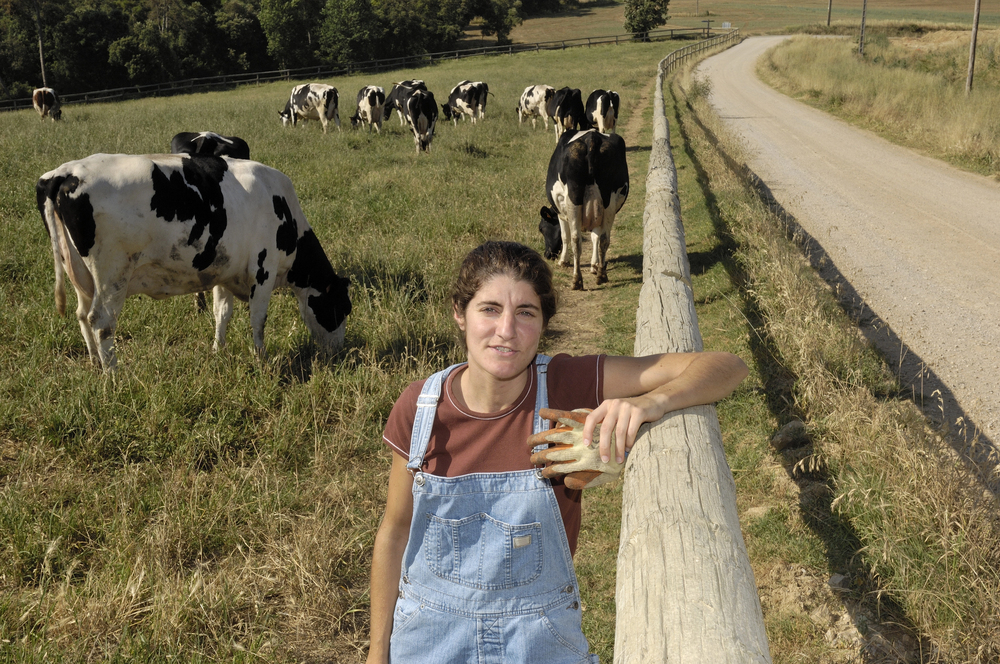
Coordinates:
459	317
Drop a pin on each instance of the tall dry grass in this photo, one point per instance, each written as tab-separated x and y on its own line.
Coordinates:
911	90
927	518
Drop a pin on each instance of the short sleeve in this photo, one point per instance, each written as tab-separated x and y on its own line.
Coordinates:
576	382
399	426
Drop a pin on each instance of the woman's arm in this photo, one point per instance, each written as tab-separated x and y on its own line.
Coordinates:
390	544
644	389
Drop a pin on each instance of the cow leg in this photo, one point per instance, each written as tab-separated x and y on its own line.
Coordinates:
577	248
605	241
222	307
83	305
564	232
572	230
595	260
109	297
259	298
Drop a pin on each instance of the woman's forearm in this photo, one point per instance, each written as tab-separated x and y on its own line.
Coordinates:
387	558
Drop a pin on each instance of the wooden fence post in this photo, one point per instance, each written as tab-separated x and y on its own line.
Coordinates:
685	589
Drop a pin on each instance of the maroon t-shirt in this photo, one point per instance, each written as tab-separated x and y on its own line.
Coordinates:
464	442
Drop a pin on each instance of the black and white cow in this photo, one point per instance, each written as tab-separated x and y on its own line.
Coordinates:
587	185
422	112
371	101
312	101
207	143
566	108
465	99
46	103
166	225
534	104
398	94
602	110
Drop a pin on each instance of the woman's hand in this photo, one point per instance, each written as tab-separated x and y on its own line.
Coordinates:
622	418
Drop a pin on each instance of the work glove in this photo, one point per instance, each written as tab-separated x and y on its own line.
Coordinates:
567	455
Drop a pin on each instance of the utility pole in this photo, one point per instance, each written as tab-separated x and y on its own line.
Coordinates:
861	42
41	52
972	50
829	11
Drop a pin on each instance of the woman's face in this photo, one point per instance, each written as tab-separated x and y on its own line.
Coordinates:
502	326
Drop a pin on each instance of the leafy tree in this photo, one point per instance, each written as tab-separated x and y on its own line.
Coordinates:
351	32
79	59
641	16
244	37
146	55
290	29
421	26
499	18
197	42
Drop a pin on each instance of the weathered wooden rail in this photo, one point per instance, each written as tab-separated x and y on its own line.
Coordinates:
189	85
685	589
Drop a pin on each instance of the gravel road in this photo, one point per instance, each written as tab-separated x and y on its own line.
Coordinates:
914	241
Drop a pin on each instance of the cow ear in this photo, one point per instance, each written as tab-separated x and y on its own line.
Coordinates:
548	216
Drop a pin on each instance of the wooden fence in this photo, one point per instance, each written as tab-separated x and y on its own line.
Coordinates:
685	589
190	85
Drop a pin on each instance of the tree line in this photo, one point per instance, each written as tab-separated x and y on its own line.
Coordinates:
81	45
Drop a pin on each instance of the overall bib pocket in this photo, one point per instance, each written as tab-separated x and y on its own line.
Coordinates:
482	552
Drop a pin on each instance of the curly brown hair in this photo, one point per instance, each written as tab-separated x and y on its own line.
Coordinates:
512	259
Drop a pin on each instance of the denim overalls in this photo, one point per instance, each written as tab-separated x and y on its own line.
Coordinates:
487	576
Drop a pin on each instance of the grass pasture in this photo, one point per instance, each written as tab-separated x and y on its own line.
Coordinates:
204	507
601	17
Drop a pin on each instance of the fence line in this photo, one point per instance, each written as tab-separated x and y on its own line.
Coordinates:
685	590
190	85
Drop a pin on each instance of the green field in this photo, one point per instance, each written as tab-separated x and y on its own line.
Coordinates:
215	507
606	18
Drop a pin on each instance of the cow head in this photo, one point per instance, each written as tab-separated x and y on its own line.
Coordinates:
446	111
56	114
356	119
551	232
324	303
286	115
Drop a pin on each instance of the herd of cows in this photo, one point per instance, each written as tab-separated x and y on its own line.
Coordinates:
206	217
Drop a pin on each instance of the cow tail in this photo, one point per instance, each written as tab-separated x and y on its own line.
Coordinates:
54	228
593	202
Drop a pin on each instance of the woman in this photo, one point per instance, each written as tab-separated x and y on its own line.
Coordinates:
473	559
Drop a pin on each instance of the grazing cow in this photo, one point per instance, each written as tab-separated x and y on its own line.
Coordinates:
46	102
422	112
371	100
566	108
534	104
587	185
398	94
209	144
602	110
464	99
312	101
166	225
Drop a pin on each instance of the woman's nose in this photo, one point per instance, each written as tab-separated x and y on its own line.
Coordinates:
505	325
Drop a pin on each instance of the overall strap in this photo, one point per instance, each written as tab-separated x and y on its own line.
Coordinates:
542	395
423	421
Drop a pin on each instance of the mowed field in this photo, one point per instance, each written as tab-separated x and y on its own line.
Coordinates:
596	19
217	507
